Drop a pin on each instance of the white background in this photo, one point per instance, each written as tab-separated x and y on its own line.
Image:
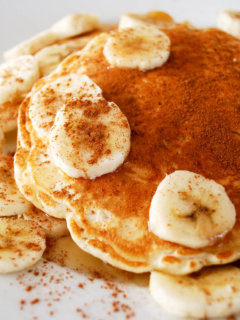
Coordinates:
20	19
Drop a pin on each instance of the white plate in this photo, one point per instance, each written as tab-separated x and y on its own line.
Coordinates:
64	294
96	291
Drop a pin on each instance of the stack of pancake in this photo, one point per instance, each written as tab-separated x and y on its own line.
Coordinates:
134	140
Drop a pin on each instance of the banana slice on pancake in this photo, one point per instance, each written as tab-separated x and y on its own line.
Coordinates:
74	24
50	56
51	97
229	21
144	47
90	136
133	20
12	201
213	292
67	27
22	244
53	227
17	77
191	210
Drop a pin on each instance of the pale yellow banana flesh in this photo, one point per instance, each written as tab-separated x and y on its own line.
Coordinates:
158	18
22	244
53	227
229	21
17	77
191	210
78	131
212	292
144	47
12	202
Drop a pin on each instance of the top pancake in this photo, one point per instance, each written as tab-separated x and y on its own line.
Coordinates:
183	116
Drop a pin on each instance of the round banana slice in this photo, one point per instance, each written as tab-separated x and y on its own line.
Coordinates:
143	48
191	210
53	227
12	201
133	20
74	24
90	136
229	21
17	77
22	244
49	57
213	292
51	97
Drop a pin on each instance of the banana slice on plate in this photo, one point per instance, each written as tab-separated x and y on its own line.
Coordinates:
212	292
67	27
144	48
133	20
229	21
90	136
17	77
12	201
191	210
22	244
53	227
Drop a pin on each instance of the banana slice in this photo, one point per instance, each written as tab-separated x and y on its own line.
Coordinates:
67	27
133	20
53	227
191	210
229	21
90	136
213	292
17	77
22	244
49	57
74	24
143	48
12	201
51	97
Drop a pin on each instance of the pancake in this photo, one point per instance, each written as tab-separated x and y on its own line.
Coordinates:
1	140
183	115
13	203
